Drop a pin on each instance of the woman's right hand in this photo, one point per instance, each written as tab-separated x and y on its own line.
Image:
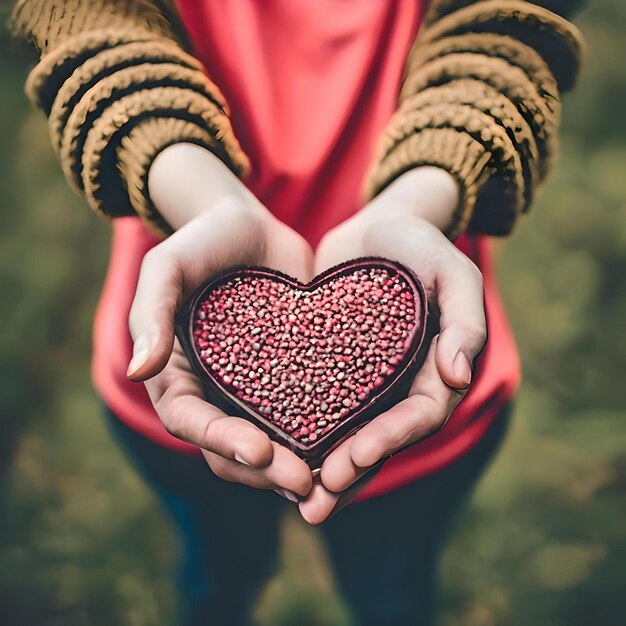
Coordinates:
233	229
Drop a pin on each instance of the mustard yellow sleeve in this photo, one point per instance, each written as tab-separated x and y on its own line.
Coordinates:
481	99
118	87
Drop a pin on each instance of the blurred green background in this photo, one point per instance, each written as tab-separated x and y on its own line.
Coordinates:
543	542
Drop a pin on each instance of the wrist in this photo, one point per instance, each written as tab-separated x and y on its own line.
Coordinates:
186	180
429	193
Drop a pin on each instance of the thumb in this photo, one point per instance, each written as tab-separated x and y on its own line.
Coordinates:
230	234
463	328
456	350
151	320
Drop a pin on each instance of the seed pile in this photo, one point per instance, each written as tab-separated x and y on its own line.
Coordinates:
307	360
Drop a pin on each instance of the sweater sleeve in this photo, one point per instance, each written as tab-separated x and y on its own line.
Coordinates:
481	99
118	88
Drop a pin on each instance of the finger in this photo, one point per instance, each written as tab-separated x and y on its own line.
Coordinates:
321	504
190	418
318	505
339	470
424	411
463	328
285	472
151	320
352	491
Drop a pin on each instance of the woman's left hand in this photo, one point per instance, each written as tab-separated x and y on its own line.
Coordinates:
391	226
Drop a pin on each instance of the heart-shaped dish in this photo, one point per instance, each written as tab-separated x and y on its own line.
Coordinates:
309	364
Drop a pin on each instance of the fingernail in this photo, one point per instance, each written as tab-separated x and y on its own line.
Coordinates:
141	353
243	461
285	493
137	362
462	368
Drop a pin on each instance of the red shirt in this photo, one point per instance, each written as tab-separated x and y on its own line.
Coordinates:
311	86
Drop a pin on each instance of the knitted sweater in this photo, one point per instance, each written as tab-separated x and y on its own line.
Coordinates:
480	99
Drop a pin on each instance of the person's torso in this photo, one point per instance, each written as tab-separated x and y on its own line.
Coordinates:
310	86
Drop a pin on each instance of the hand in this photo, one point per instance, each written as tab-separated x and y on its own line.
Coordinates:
224	230
391	226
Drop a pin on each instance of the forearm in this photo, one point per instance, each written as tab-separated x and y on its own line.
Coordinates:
480	99
119	89
186	180
427	192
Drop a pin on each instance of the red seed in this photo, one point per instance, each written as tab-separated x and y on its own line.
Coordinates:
306	360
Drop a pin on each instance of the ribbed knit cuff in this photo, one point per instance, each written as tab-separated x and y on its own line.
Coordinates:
512	82
499	109
123	83
137	151
103	186
505	160
466	159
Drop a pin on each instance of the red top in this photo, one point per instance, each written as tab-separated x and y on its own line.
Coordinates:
311	86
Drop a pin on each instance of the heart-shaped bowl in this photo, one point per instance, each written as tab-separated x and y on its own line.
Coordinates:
308	363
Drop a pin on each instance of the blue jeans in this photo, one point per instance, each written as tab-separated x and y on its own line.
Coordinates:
384	551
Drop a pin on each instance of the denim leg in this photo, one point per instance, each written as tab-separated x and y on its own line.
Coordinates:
229	532
385	551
